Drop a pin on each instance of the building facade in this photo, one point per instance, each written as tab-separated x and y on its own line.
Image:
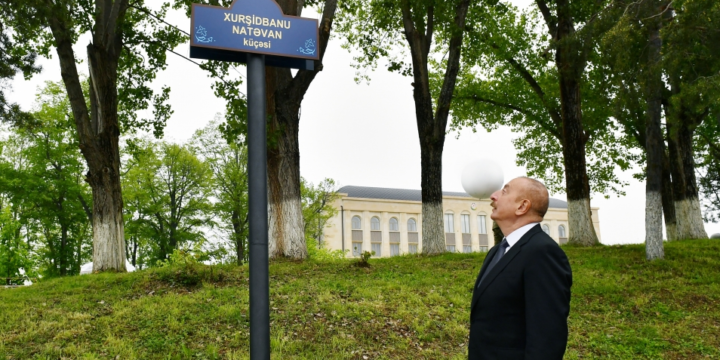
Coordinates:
389	222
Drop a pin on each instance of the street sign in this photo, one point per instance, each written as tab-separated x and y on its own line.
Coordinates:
256	27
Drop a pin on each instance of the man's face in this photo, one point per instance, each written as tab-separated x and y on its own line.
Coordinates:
505	201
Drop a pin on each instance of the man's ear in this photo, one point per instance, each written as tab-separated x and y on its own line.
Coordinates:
523	208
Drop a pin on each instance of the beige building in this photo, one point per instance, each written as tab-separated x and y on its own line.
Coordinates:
389	222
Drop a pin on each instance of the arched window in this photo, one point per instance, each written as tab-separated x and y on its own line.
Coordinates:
449	223
546	229
357	236
375	236
356	223
450	232
481	224
412	236
394	237
561	231
412	225
465	223
375	224
394	226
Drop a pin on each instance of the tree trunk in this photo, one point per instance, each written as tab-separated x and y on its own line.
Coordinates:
64	256
432	124
433	230
682	168
694	227
285	223
667	198
238	237
570	68
653	146
97	129
284	97
134	251
104	163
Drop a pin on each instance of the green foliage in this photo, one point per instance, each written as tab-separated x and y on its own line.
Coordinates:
708	150
15	252
228	162
375	29
404	307
509	78
42	178
167	188
145	42
322	253
364	259
317	206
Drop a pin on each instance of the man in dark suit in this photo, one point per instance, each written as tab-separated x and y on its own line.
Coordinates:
521	298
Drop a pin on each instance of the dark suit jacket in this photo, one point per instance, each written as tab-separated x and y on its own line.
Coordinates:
520	309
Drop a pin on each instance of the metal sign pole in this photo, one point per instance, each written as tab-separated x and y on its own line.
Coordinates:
257	197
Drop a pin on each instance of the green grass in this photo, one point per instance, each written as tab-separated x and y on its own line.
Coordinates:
401	308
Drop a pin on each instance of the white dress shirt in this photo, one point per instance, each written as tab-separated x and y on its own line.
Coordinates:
515	236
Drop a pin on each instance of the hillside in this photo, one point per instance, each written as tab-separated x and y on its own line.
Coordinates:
401	308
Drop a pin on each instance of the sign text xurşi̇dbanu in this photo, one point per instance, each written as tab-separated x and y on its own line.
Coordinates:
250	20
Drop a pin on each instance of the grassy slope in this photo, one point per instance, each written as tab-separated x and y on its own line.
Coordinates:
402	308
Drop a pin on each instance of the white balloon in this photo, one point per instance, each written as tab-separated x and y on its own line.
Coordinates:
481	178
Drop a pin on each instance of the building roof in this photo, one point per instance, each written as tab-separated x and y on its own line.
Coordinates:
366	192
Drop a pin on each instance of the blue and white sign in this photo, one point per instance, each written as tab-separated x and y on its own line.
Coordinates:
253	26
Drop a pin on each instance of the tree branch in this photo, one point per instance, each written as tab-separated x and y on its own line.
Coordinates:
304	78
550	20
430	29
88	210
547	127
453	67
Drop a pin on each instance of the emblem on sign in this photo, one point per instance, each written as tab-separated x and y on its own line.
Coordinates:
473	206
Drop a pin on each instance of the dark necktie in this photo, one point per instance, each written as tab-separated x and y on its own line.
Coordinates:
498	255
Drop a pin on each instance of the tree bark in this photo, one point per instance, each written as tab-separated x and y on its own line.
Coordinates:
283	163
668	204
680	128
239	240
97	127
653	147
570	65
694	228
433	232
284	97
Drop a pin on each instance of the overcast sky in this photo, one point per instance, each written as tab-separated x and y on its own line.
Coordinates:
360	134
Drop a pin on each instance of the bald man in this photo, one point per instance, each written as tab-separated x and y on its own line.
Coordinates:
521	298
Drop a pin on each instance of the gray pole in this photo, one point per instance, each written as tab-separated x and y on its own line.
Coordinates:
257	197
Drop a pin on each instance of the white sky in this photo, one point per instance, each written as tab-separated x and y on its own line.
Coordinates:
360	134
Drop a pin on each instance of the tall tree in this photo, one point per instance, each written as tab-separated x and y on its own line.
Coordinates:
317	201
654	139
535	77
228	162
709	181
127	48
173	187
285	93
427	29
48	186
691	64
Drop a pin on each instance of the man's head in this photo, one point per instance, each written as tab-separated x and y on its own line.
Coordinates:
520	202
